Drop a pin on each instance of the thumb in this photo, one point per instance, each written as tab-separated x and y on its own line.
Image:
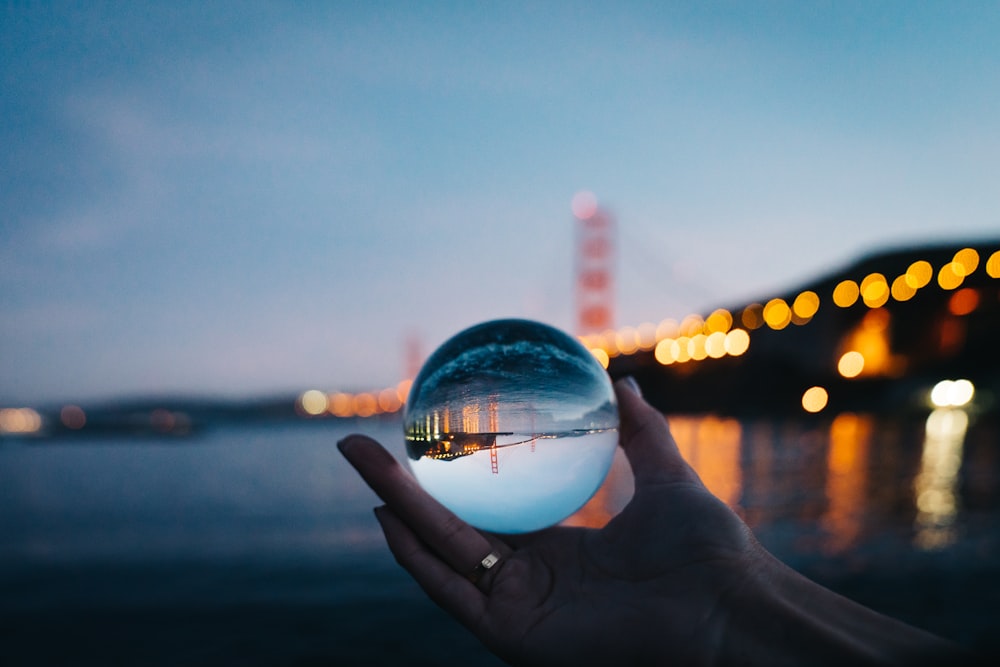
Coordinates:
645	437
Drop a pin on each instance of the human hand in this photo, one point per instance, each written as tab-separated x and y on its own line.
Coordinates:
650	584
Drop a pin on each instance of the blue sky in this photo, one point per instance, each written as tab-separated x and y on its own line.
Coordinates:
258	197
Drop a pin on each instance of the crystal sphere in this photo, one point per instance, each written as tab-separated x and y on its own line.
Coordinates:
512	425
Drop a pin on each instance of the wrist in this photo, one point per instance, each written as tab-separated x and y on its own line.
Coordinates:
776	616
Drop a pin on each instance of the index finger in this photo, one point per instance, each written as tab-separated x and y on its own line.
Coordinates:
456	542
647	441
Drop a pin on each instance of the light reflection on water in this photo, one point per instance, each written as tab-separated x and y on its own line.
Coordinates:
809	488
935	486
829	487
847	479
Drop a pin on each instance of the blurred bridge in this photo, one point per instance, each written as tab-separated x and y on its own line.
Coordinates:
877	336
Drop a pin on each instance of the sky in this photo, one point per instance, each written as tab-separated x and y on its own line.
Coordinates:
241	199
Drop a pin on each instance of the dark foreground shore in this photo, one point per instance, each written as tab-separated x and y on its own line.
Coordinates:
257	546
365	612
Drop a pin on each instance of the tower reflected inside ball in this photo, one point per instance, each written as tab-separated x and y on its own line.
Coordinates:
512	425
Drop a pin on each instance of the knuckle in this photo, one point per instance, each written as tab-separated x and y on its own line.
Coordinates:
452	527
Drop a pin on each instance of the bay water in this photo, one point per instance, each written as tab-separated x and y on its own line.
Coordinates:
257	545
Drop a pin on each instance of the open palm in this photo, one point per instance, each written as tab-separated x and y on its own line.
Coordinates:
652	578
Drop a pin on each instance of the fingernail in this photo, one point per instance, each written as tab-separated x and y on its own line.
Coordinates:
631	383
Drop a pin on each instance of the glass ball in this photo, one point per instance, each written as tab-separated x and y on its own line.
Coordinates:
512	425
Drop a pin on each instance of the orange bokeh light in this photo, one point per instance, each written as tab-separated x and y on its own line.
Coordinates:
719	321
388	400
627	340
874	290
777	314
919	274
814	399
951	275
845	294
680	350
696	347
715	345
313	402
968	259
19	420
753	316
341	405
737	342
692	325
365	405
901	289
964	301
647	335
851	364
609	342
664	352
668	328
993	265
403	390
805	305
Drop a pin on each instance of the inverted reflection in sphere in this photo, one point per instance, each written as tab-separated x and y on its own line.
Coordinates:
512	425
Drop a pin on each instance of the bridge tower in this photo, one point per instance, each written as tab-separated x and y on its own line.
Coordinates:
595	265
494	419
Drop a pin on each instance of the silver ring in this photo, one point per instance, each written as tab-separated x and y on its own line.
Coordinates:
488	561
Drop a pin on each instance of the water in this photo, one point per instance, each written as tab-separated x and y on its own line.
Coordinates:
258	547
274	493
525	483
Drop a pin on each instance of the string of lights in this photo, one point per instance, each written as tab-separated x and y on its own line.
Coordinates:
696	338
692	339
